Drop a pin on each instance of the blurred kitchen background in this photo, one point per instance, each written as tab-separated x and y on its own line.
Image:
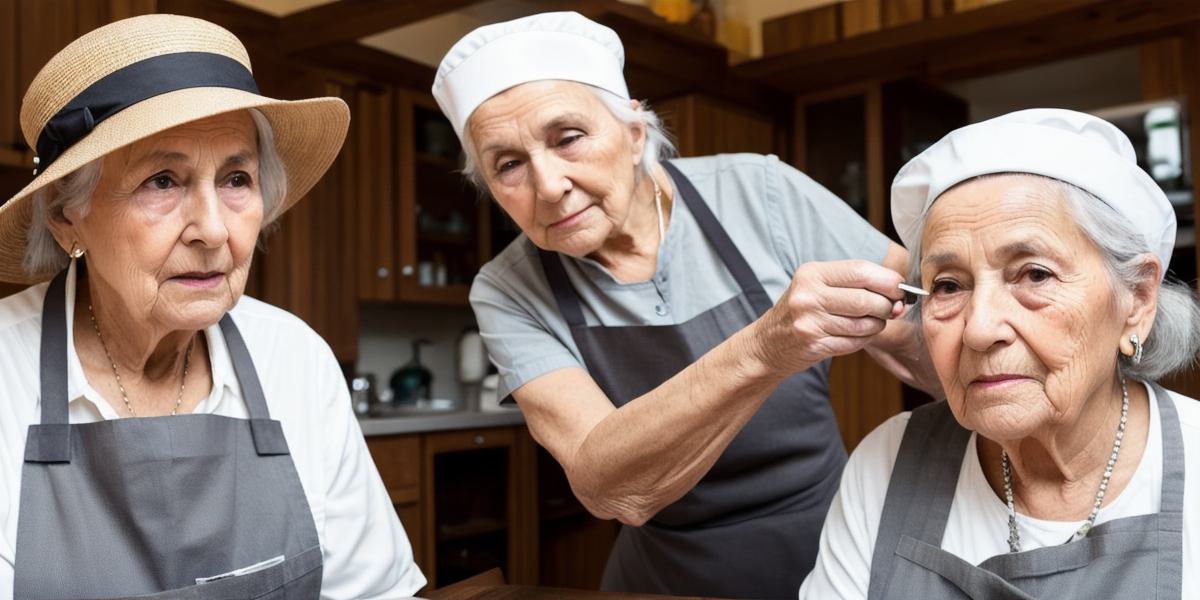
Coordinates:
380	256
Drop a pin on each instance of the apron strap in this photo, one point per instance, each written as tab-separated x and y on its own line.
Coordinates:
268	434
568	300
1170	564
921	489
1173	470
564	292
50	440
719	238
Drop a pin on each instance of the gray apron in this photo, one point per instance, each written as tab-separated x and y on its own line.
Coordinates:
749	528
1132	557
144	507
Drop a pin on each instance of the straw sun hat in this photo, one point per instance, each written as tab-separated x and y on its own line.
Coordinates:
137	77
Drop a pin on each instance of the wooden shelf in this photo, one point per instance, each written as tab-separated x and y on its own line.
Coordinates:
1002	36
16	159
473	528
448	295
446	239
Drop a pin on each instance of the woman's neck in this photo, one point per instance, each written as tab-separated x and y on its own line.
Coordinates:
134	344
631	252
1057	472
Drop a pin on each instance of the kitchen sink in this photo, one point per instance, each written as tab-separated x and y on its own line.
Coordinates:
420	409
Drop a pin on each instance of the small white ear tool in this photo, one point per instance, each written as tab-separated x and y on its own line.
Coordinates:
912	293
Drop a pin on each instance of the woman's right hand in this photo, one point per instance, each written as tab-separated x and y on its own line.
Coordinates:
830	309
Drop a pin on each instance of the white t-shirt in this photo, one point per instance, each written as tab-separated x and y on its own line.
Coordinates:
977	527
365	550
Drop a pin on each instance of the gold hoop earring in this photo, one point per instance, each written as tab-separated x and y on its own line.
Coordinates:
76	251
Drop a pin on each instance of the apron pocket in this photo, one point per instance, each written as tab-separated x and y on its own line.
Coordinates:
266	583
920	557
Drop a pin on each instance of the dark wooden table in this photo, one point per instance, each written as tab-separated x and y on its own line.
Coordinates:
525	592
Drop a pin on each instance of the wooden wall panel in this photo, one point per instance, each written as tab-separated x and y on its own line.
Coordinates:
10	90
902	12
123	9
863	395
861	16
964	5
1162	69
31	31
704	126
812	27
938	8
43	28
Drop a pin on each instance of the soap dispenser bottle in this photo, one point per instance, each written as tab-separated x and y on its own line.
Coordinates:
412	381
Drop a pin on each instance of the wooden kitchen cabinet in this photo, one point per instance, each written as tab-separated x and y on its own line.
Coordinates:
475	499
445	229
424	231
31	31
469	503
304	264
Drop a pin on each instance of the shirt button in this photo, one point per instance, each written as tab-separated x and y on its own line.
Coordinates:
661	310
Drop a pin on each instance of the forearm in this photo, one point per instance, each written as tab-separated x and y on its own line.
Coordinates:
650	452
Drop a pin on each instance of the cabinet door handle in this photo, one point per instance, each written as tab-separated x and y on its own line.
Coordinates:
479	440
382	273
406	270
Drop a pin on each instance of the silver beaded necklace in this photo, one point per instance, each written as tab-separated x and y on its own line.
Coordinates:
1014	536
186	360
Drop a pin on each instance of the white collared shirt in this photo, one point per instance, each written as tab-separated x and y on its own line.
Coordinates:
365	549
977	526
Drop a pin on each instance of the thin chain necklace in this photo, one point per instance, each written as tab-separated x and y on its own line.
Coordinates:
187	358
1014	536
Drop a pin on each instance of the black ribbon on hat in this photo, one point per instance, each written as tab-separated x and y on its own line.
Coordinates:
132	84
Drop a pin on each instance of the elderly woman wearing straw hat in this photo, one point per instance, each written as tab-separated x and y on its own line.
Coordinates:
164	436
665	326
1057	467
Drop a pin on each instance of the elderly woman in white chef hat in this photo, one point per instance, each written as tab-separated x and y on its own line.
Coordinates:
164	436
1057	467
665	326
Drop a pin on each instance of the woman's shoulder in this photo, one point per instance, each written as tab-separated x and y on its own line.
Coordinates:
1188	409
22	307
265	325
513	280
517	260
875	456
725	166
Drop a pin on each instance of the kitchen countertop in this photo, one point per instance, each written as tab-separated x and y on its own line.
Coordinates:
439	421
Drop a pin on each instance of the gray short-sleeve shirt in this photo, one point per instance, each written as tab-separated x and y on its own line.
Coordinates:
778	218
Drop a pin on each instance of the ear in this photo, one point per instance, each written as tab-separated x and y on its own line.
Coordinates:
62	227
637	132
1143	304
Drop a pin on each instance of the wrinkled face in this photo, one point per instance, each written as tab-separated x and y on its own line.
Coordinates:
173	222
558	162
1022	322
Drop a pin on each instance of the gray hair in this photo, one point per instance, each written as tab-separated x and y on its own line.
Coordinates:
1174	340
658	147
74	192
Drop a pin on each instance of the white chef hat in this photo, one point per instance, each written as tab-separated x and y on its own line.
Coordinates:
1083	150
553	45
